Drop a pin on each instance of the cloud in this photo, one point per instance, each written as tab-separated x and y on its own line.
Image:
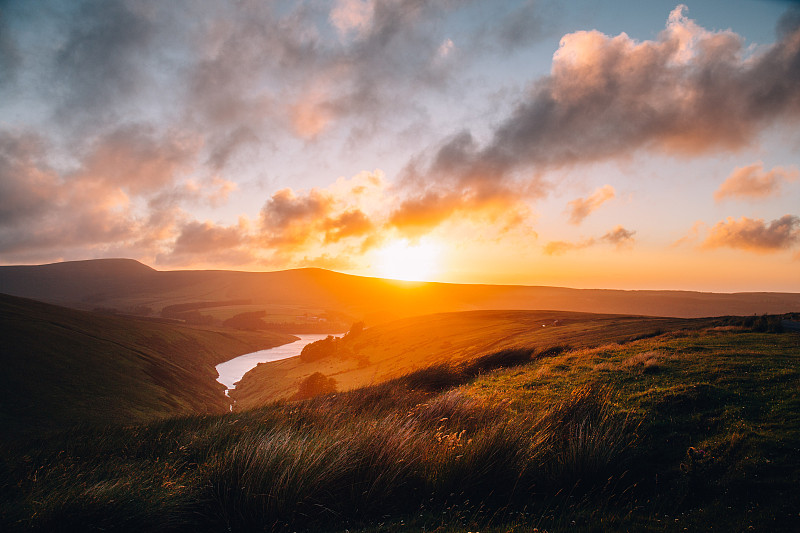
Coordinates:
352	15
135	158
562	247
692	235
619	237
691	91
10	58
289	220
202	238
580	208
753	182
420	214
103	61
348	224
123	193
755	235
348	211
519	25
26	182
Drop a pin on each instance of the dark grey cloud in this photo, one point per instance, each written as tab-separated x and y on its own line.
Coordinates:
10	57
789	22
105	60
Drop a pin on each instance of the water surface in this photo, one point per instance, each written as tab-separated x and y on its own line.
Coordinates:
232	371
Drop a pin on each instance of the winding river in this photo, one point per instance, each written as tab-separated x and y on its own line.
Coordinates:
232	371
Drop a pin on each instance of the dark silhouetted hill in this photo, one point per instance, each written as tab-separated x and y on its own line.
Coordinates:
63	367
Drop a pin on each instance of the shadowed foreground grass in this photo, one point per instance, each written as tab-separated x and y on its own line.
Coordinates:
692	429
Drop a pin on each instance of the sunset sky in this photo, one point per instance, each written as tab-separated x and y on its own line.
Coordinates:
620	144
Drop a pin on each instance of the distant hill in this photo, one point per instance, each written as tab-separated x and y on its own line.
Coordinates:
131	287
63	367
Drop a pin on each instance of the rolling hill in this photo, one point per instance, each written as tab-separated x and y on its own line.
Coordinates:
127	286
389	350
693	429
64	367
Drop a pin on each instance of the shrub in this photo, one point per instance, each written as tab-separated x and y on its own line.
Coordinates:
315	385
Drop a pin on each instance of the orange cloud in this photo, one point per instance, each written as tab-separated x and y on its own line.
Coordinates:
417	215
754	234
753	182
348	224
580	208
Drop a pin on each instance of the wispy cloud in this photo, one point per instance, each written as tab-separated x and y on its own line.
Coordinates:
580	208
619	237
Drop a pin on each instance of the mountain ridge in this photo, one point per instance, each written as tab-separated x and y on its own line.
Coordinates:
126	284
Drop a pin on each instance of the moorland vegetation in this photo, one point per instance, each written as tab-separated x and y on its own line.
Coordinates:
694	427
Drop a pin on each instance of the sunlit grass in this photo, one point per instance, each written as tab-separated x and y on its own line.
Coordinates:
698	426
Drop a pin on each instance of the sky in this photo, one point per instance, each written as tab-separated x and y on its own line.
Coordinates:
618	144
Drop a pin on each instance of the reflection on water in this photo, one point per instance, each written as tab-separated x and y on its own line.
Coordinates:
232	371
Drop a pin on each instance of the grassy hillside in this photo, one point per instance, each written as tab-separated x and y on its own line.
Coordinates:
696	428
300	297
62	367
389	350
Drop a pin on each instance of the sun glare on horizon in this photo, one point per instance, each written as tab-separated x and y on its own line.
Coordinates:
405	261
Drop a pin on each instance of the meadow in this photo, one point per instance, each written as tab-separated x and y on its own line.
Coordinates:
691	428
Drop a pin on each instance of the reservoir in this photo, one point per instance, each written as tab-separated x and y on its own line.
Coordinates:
232	371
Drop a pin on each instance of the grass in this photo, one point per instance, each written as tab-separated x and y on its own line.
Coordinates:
695	429
387	351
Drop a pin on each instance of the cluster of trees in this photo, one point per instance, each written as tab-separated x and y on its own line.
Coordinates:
333	346
762	324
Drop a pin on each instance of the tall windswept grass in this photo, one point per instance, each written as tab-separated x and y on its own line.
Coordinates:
452	448
584	436
287	476
412	445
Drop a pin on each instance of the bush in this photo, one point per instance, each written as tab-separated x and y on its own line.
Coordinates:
314	385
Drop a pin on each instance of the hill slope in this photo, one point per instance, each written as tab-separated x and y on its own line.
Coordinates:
128	286
694	430
62	366
389	350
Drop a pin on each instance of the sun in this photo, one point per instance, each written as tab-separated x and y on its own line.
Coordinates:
410	262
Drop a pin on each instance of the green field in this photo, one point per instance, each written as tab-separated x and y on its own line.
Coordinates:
692	426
